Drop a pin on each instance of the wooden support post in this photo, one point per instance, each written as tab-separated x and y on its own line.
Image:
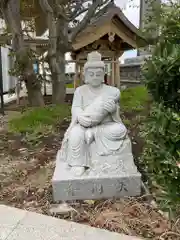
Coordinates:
113	72
118	77
81	75
1	86
18	90
76	75
117	73
44	79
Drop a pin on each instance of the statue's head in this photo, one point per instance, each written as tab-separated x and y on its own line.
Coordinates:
94	69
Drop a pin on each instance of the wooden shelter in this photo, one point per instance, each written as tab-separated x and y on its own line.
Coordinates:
110	33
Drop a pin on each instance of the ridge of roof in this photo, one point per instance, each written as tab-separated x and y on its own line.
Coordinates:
107	14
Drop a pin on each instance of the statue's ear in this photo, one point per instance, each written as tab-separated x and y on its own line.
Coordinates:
84	75
83	72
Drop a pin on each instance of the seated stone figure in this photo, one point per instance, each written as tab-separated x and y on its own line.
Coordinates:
95	119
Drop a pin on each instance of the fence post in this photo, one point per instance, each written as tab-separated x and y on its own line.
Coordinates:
1	85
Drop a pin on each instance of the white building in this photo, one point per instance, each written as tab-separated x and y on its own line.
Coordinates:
9	82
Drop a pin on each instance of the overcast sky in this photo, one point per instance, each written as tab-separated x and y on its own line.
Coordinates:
131	10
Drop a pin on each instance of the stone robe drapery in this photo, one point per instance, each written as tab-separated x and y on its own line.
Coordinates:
109	131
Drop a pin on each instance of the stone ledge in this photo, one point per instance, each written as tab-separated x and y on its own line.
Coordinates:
9	219
29	225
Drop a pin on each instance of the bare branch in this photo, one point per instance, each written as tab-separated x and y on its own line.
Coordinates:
45	6
4	3
51	25
77	13
60	10
78	9
88	16
103	9
11	15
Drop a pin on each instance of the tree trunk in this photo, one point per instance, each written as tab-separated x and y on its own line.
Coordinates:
35	97
11	10
58	90
58	46
57	66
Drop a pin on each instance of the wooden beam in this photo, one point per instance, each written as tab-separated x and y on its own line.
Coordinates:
105	54
76	75
81	74
117	75
117	69
82	62
113	72
32	42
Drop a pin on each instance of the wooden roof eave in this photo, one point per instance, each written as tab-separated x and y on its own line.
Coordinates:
132	33
87	39
115	26
36	42
90	37
123	34
32	41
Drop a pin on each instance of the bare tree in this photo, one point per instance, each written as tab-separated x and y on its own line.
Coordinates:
63	28
10	10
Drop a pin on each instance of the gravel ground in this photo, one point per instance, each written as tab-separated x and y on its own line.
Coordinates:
4	119
25	182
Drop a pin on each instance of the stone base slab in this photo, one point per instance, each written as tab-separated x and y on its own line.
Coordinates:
110	177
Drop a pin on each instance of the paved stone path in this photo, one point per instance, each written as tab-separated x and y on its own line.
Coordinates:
16	224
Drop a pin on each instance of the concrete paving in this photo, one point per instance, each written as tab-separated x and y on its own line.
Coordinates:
16	224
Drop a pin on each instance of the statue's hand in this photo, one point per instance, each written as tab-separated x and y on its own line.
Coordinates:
84	121
110	106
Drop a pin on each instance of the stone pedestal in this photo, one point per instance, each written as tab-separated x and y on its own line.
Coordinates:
110	176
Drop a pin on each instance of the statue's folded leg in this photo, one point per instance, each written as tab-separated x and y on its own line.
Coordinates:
78	152
109	138
116	131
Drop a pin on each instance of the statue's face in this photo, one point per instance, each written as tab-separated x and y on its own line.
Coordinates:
94	76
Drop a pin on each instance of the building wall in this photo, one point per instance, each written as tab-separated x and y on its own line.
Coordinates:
130	75
9	82
130	72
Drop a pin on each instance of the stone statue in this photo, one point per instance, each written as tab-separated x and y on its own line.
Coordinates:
95	120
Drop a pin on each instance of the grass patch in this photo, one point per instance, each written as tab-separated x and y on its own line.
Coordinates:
134	99
127	122
37	119
40	121
70	85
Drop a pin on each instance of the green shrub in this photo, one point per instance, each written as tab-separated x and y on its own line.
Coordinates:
134	99
162	131
162	74
39	118
162	153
